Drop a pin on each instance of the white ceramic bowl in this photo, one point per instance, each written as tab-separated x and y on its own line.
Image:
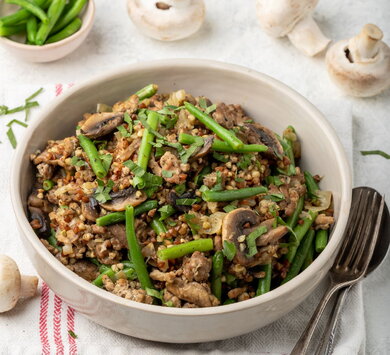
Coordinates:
267	101
48	52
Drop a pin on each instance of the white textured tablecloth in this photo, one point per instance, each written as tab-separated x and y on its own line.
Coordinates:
230	34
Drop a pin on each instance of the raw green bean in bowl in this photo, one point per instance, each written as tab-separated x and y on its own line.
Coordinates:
174	200
44	30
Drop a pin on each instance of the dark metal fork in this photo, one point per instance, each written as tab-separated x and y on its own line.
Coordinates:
354	256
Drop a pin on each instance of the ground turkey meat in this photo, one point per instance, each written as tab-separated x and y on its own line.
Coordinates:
197	267
85	269
171	164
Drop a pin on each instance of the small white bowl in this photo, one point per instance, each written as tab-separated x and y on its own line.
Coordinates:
48	52
265	100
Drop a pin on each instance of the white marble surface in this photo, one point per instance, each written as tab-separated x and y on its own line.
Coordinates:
231	34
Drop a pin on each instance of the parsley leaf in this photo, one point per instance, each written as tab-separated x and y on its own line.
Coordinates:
190	221
180	189
251	240
220	157
102	193
76	161
244	162
166	173
211	109
229	250
218	186
229	208
123	131
159	295
106	161
274	197
187	201
166	211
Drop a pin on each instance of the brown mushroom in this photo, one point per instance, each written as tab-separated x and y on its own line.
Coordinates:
205	149
257	134
39	222
90	210
122	198
241	222
101	124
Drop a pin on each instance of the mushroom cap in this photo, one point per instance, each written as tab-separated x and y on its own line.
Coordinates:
278	17
167	20
101	124
122	198
10	283
363	79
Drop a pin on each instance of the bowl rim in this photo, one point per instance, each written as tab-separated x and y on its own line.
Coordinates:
88	20
312	111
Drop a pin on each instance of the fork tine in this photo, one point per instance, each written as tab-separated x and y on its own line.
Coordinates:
360	234
350	225
355	221
363	262
365	232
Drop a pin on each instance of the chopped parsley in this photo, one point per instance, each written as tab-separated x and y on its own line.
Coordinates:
274	197
106	161
123	131
180	189
166	174
251	240
187	201
220	157
218	186
159	295
76	161
229	250
102	192
207	109
166	211
244	161
190	221
229	208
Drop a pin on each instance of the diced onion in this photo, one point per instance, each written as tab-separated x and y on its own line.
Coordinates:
324	198
67	249
215	220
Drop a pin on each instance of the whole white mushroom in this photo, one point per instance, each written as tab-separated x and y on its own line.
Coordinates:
14	286
293	18
167	20
360	66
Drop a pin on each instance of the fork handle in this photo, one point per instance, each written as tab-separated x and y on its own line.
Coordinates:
330	330
302	345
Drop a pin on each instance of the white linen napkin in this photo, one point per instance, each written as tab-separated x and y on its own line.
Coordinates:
42	325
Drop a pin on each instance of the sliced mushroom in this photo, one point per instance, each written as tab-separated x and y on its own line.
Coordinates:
118	232
205	149
101	124
242	221
39	222
35	201
257	134
122	198
90	210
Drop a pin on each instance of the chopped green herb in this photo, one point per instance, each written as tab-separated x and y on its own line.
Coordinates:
187	201
76	161
171	223
159	295
101	144
123	131
248	121
203	104
211	109
244	161
251	240
165	212
11	137
220	157
238	179
166	174
102	192
180	189
10	123
375	152
199	178
190	221
72	334
229	208
135	168
274	197
229	250
218	186
106	161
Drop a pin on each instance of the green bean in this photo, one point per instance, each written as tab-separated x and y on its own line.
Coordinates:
311	184
300	230
300	256
69	16
69	30
221	146
103	268
321	240
212	125
19	16
130	273
99	280
145	148
158	226
216	274
11	30
179	250
93	156
53	13
309	257
135	250
264	284
47	184
52	240
147	91
32	27
30	7
232	195
117	217
293	219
